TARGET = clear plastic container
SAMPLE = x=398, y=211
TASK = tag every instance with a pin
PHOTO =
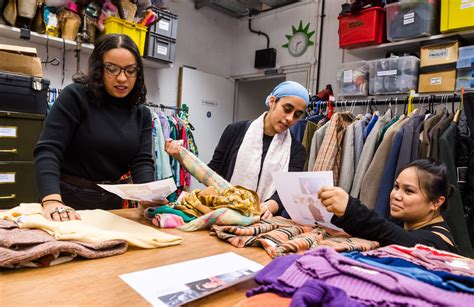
x=467, y=62
x=466, y=52
x=465, y=77
x=393, y=75
x=412, y=18
x=353, y=79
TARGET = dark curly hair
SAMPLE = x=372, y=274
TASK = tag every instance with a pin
x=94, y=83
x=433, y=179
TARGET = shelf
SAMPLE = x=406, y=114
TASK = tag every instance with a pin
x=41, y=39
x=411, y=45
x=56, y=42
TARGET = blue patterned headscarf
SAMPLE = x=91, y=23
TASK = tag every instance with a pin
x=289, y=88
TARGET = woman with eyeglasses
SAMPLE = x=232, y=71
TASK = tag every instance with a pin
x=249, y=151
x=97, y=130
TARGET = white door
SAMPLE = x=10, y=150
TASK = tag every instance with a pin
x=211, y=108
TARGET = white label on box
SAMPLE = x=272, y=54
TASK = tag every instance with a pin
x=7, y=177
x=408, y=21
x=347, y=76
x=438, y=53
x=164, y=25
x=162, y=50
x=386, y=73
x=8, y=132
x=466, y=5
x=436, y=80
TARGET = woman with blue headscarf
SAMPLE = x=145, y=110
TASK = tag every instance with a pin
x=249, y=151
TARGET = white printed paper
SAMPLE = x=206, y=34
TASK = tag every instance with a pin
x=162, y=50
x=466, y=5
x=175, y=284
x=7, y=177
x=386, y=73
x=164, y=25
x=156, y=190
x=408, y=21
x=438, y=53
x=347, y=76
x=436, y=80
x=8, y=132
x=298, y=192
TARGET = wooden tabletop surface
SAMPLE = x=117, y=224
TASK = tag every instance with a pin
x=97, y=282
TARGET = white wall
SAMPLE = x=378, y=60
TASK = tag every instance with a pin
x=276, y=23
x=331, y=56
x=204, y=41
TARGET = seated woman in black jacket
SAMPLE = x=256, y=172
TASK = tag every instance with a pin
x=419, y=194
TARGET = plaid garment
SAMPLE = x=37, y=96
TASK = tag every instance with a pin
x=329, y=156
x=280, y=236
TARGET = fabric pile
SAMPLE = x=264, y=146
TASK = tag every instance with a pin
x=220, y=203
x=29, y=239
x=36, y=248
x=280, y=236
x=323, y=277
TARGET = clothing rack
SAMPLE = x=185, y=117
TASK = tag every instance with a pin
x=429, y=100
x=162, y=106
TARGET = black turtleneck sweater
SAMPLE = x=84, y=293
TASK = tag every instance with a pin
x=95, y=141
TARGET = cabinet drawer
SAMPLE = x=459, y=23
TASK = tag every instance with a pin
x=19, y=134
x=17, y=184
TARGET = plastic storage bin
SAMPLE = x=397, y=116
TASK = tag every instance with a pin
x=465, y=71
x=160, y=48
x=353, y=79
x=20, y=93
x=412, y=18
x=466, y=52
x=456, y=15
x=365, y=28
x=167, y=26
x=393, y=75
x=137, y=33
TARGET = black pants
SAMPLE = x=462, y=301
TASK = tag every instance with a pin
x=86, y=198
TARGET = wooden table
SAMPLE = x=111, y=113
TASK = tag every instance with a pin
x=97, y=282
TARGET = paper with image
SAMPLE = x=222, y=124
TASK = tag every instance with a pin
x=298, y=192
x=179, y=283
x=156, y=190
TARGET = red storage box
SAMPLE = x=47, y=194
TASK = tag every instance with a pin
x=364, y=28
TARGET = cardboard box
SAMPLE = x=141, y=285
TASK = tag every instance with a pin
x=438, y=54
x=19, y=59
x=439, y=81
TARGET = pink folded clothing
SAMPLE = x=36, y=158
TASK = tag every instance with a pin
x=167, y=220
x=36, y=248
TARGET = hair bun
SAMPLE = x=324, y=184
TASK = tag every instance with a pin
x=450, y=190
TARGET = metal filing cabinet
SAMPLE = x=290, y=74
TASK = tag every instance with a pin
x=19, y=133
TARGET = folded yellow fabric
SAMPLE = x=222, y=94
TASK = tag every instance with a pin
x=200, y=202
x=94, y=226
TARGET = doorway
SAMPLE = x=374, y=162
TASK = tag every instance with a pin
x=251, y=95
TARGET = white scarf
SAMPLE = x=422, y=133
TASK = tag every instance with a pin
x=249, y=157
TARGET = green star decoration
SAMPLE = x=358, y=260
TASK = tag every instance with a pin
x=299, y=40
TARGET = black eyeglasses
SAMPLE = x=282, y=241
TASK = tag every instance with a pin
x=130, y=71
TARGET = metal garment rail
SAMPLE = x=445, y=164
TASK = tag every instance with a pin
x=162, y=106
x=428, y=100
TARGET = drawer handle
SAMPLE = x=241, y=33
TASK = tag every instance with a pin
x=12, y=151
x=11, y=196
